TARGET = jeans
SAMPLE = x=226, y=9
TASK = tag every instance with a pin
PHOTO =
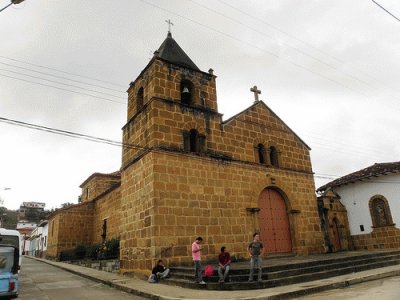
x=255, y=263
x=223, y=272
x=162, y=275
x=197, y=271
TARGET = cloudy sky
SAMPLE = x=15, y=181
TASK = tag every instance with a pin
x=328, y=68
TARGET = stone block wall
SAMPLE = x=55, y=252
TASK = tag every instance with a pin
x=137, y=209
x=107, y=207
x=162, y=124
x=191, y=196
x=69, y=228
x=163, y=80
x=387, y=237
x=97, y=184
x=259, y=125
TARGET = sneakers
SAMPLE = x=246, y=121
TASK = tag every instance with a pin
x=202, y=282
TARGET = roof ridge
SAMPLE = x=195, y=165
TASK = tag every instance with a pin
x=170, y=51
x=373, y=170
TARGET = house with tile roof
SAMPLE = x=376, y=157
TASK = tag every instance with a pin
x=370, y=208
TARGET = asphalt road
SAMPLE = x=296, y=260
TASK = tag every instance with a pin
x=383, y=289
x=40, y=281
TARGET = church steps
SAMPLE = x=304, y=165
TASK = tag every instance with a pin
x=285, y=274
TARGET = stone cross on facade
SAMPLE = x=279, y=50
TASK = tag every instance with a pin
x=169, y=24
x=256, y=93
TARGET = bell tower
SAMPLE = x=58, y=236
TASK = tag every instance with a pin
x=170, y=92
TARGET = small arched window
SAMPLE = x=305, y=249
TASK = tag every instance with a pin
x=193, y=141
x=273, y=156
x=380, y=211
x=261, y=154
x=187, y=92
x=139, y=99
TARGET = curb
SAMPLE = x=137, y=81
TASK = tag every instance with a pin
x=96, y=279
x=283, y=295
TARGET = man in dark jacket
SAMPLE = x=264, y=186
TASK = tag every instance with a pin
x=160, y=270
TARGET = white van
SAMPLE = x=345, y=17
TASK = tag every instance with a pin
x=12, y=237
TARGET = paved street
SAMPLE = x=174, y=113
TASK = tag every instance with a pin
x=39, y=281
x=384, y=289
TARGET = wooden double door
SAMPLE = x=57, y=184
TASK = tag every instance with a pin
x=274, y=222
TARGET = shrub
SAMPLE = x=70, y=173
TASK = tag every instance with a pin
x=92, y=251
x=67, y=255
x=80, y=251
x=110, y=249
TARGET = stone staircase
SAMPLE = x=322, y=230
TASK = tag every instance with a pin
x=288, y=270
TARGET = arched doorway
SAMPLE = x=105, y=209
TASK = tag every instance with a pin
x=336, y=236
x=274, y=222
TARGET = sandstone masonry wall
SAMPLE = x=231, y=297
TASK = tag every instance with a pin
x=72, y=227
x=195, y=196
x=387, y=237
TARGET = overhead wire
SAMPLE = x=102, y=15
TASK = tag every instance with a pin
x=307, y=44
x=283, y=43
x=61, y=71
x=62, y=89
x=121, y=85
x=366, y=95
x=71, y=134
x=386, y=10
x=103, y=140
x=62, y=83
x=59, y=77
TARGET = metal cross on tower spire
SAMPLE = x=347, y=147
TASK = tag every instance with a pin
x=256, y=93
x=169, y=24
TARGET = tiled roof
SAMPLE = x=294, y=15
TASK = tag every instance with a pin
x=170, y=51
x=375, y=170
x=116, y=174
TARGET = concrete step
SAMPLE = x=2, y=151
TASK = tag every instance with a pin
x=287, y=273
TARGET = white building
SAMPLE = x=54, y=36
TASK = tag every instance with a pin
x=25, y=228
x=38, y=240
x=371, y=198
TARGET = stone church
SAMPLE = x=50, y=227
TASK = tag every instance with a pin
x=185, y=173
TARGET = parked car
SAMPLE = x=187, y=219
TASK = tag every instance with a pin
x=9, y=265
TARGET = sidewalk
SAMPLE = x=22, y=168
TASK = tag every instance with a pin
x=160, y=291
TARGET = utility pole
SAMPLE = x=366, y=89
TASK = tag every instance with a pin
x=11, y=2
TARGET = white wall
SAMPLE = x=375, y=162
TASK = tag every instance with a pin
x=356, y=196
x=44, y=237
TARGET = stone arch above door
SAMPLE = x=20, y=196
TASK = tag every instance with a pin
x=274, y=222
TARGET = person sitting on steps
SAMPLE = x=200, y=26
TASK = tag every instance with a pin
x=160, y=270
x=224, y=261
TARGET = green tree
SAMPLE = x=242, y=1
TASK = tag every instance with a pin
x=66, y=204
x=9, y=218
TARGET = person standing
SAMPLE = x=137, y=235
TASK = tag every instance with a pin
x=196, y=255
x=160, y=270
x=224, y=261
x=255, y=250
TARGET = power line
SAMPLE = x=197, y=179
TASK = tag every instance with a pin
x=61, y=71
x=62, y=83
x=62, y=89
x=105, y=141
x=307, y=44
x=285, y=44
x=366, y=95
x=71, y=134
x=386, y=10
x=59, y=77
